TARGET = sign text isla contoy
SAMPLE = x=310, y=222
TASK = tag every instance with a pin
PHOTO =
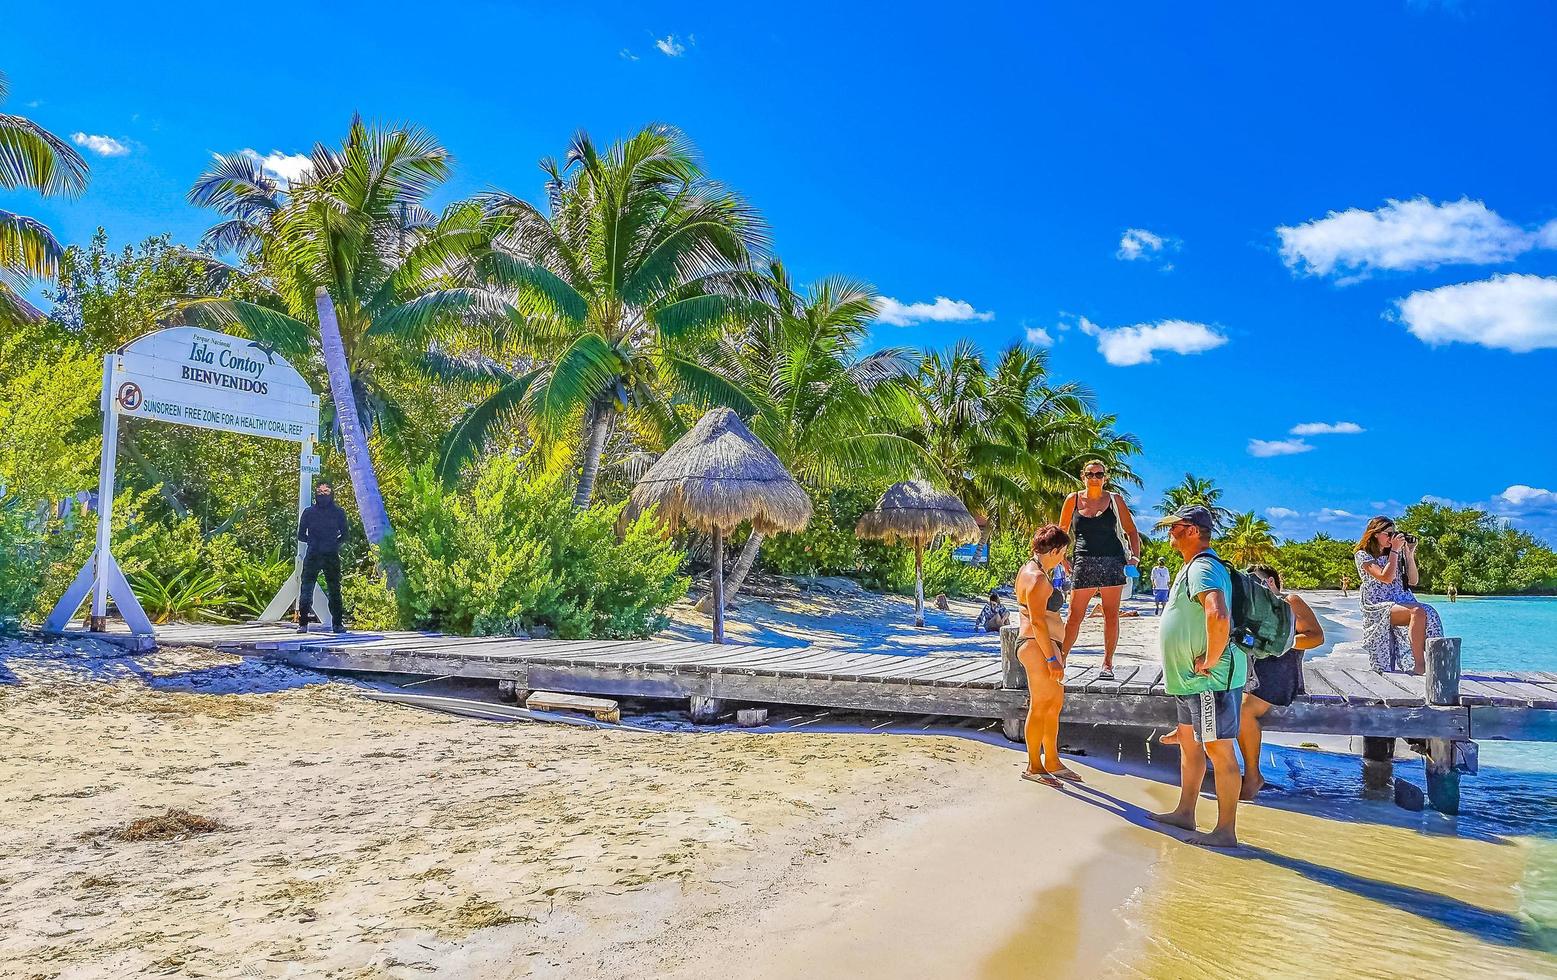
x=212, y=381
x=246, y=370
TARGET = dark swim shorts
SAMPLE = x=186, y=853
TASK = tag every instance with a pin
x=1280, y=678
x=1098, y=571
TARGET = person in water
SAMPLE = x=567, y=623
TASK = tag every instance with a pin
x=1106, y=541
x=323, y=529
x=1038, y=648
x=1386, y=561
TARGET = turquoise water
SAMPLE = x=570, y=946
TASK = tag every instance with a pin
x=1514, y=633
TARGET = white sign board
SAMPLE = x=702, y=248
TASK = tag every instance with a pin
x=212, y=381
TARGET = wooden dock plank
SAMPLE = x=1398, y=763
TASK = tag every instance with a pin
x=1390, y=689
x=1348, y=687
x=976, y=673
x=1473, y=692
x=1122, y=676
x=1531, y=695
x=1144, y=682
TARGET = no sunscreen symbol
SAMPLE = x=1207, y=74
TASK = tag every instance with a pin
x=129, y=397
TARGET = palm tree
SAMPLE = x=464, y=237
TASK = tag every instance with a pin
x=1249, y=541
x=356, y=264
x=1196, y=491
x=1010, y=441
x=829, y=413
x=31, y=157
x=637, y=262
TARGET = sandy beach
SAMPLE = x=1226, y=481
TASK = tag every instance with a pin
x=356, y=839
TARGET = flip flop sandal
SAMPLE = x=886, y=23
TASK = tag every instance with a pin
x=1069, y=775
x=1041, y=777
x=1106, y=674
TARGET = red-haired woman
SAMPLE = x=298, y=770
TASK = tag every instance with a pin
x=1040, y=653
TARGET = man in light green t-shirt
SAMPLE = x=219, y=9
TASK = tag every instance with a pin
x=1205, y=673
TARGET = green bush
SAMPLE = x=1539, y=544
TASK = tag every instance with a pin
x=506, y=554
x=370, y=602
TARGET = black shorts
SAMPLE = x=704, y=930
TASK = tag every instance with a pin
x=1280, y=678
x=1098, y=571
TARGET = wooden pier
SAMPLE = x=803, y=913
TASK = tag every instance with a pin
x=1339, y=701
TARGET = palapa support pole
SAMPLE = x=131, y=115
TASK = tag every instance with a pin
x=718, y=585
x=1443, y=688
x=918, y=582
x=1013, y=677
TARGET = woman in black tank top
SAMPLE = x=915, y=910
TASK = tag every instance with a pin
x=1106, y=541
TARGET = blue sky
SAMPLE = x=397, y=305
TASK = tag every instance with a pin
x=1228, y=219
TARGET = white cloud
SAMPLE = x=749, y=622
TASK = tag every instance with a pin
x=1277, y=447
x=1126, y=346
x=285, y=167
x=626, y=55
x=1548, y=235
x=1330, y=515
x=103, y=146
x=1138, y=244
x=1402, y=235
x=1281, y=513
x=1515, y=312
x=1040, y=337
x=1326, y=429
x=943, y=310
x=670, y=47
x=1521, y=499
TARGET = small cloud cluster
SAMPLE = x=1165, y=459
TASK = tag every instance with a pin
x=626, y=55
x=1040, y=337
x=670, y=47
x=1515, y=312
x=1282, y=513
x=1138, y=344
x=103, y=146
x=1326, y=429
x=285, y=167
x=1140, y=245
x=1263, y=448
x=1521, y=500
x=1403, y=236
x=943, y=310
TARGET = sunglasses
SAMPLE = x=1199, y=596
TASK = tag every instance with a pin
x=1094, y=474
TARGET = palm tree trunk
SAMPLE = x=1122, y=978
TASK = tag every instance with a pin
x=359, y=464
x=596, y=427
x=743, y=567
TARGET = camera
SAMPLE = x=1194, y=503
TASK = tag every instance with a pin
x=1410, y=538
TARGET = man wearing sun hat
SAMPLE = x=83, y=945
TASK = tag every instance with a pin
x=1204, y=672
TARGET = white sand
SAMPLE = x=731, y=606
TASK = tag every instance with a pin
x=374, y=840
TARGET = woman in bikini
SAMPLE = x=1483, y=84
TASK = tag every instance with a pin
x=1039, y=651
x=1106, y=541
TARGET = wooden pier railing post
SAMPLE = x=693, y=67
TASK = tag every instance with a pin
x=1443, y=688
x=1013, y=677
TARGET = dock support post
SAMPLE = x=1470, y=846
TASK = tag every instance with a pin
x=1378, y=767
x=1443, y=688
x=705, y=711
x=1013, y=677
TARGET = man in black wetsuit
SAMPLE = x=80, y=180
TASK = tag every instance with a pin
x=322, y=528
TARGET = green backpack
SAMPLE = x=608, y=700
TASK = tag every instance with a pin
x=1262, y=624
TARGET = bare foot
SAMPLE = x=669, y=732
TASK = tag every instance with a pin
x=1253, y=782
x=1173, y=818
x=1221, y=839
x=1169, y=738
x=1042, y=777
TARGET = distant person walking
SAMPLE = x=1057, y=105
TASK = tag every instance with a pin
x=1106, y=541
x=322, y=528
x=1038, y=648
x=1161, y=579
x=1386, y=562
x=1346, y=584
x=1205, y=673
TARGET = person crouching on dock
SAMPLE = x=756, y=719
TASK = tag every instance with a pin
x=1039, y=651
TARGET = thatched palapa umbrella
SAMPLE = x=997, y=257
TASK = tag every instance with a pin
x=915, y=511
x=715, y=477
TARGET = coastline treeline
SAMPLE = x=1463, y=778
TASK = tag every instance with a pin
x=514, y=367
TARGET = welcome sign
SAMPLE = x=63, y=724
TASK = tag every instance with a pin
x=212, y=381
